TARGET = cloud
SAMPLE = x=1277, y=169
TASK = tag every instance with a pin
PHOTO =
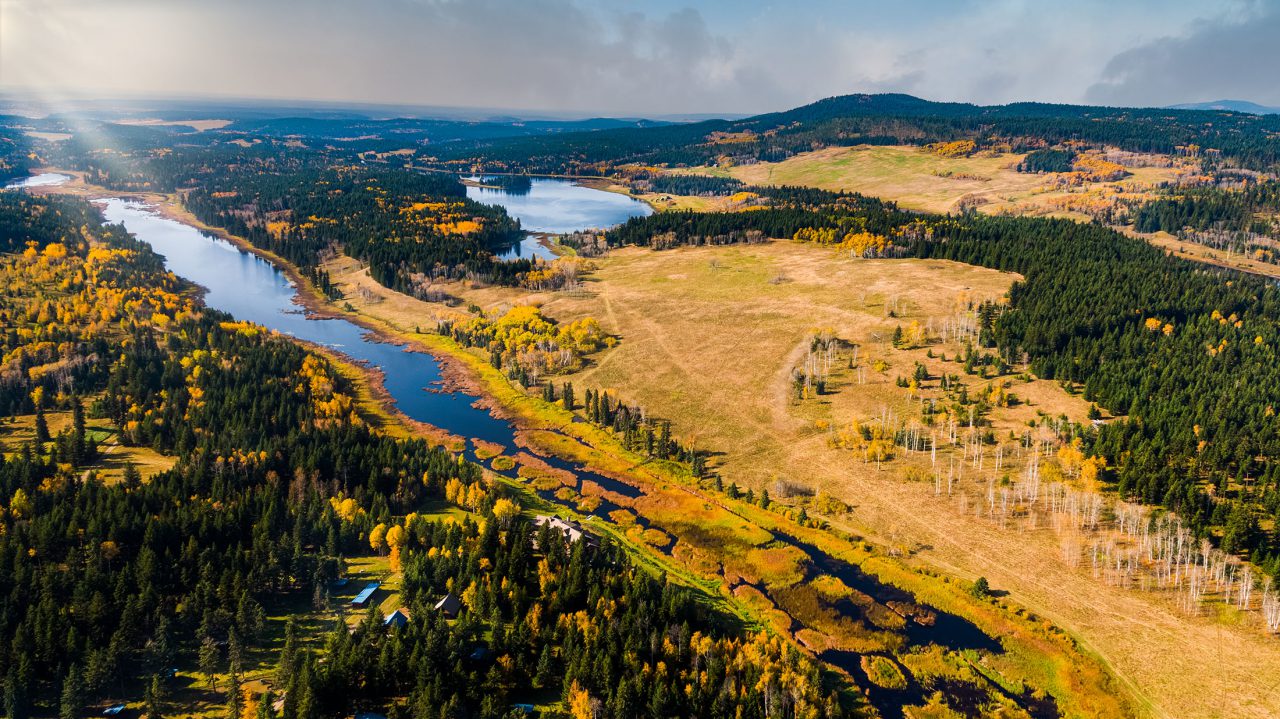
x=622, y=57
x=1228, y=58
x=538, y=54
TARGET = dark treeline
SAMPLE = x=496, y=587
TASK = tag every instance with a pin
x=791, y=209
x=1048, y=160
x=700, y=185
x=1248, y=140
x=1212, y=209
x=639, y=431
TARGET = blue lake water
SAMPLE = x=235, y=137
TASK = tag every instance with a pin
x=44, y=179
x=557, y=207
x=251, y=288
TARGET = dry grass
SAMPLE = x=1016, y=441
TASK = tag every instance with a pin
x=1209, y=255
x=919, y=179
x=709, y=337
x=713, y=540
x=662, y=201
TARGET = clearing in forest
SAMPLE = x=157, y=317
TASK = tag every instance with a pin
x=113, y=457
x=919, y=179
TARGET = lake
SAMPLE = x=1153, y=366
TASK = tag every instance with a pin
x=44, y=179
x=557, y=207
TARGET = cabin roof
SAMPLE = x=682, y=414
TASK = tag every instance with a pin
x=450, y=604
x=572, y=531
x=367, y=592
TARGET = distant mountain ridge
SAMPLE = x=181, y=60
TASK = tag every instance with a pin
x=883, y=119
x=1244, y=106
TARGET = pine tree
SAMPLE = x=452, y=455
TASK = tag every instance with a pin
x=235, y=696
x=153, y=697
x=288, y=654
x=546, y=668
x=15, y=700
x=73, y=697
x=132, y=477
x=980, y=588
x=78, y=450
x=42, y=426
x=209, y=658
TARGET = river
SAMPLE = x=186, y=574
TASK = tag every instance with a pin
x=250, y=288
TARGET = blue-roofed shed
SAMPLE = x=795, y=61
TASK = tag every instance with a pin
x=113, y=710
x=362, y=599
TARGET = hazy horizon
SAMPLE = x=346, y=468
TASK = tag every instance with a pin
x=639, y=59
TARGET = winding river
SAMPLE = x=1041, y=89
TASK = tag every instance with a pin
x=250, y=288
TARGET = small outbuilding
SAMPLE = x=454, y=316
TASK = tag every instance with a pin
x=361, y=600
x=450, y=605
x=396, y=619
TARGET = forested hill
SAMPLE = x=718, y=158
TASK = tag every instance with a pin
x=1249, y=140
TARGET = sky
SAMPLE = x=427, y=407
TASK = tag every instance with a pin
x=650, y=57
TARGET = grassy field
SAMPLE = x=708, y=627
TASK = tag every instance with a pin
x=113, y=456
x=920, y=180
x=729, y=543
x=1209, y=255
x=709, y=337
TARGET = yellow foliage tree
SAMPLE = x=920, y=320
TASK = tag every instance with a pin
x=505, y=510
x=581, y=705
x=396, y=539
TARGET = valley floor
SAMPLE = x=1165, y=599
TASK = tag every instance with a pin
x=709, y=339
